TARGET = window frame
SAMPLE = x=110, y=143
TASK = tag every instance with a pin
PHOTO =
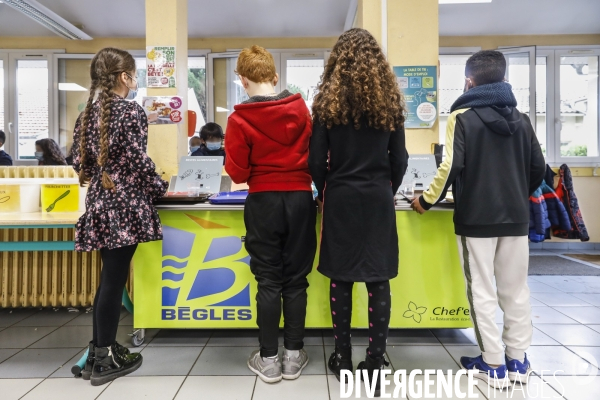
x=553, y=130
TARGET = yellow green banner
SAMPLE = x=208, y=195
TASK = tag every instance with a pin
x=199, y=276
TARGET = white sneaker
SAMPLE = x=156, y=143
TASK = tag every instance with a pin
x=267, y=369
x=294, y=362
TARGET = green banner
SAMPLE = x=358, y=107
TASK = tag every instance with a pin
x=199, y=276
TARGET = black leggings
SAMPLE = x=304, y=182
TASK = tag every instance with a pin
x=109, y=296
x=379, y=314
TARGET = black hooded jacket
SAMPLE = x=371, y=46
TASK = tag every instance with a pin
x=494, y=162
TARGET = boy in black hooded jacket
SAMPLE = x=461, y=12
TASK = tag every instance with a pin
x=494, y=163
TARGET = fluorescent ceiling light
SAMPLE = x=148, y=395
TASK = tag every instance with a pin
x=464, y=1
x=221, y=109
x=48, y=19
x=73, y=87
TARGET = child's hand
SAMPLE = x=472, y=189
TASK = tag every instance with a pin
x=416, y=205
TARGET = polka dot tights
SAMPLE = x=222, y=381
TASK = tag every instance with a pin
x=340, y=300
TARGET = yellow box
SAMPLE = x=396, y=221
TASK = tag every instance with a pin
x=10, y=198
x=60, y=197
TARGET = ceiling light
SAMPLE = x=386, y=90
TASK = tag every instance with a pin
x=464, y=1
x=221, y=109
x=48, y=19
x=72, y=87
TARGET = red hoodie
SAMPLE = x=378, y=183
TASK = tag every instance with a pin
x=267, y=145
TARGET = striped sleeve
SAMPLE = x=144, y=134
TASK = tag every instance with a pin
x=451, y=166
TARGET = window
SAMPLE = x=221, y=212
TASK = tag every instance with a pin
x=298, y=72
x=26, y=112
x=451, y=83
x=560, y=84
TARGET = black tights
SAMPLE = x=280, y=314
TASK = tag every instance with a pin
x=379, y=314
x=109, y=296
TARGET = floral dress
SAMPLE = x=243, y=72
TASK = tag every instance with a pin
x=123, y=216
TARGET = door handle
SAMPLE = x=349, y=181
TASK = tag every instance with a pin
x=558, y=124
x=10, y=125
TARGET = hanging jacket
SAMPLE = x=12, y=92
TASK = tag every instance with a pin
x=557, y=214
x=538, y=216
x=567, y=195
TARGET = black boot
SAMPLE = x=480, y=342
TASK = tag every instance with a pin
x=86, y=373
x=110, y=364
x=372, y=364
x=340, y=359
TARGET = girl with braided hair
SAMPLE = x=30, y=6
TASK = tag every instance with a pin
x=109, y=153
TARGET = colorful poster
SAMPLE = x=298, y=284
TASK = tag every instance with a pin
x=160, y=66
x=419, y=85
x=199, y=276
x=163, y=109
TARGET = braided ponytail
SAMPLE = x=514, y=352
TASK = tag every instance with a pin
x=83, y=126
x=106, y=101
x=105, y=69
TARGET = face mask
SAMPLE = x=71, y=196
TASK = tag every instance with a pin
x=194, y=148
x=39, y=155
x=212, y=146
x=132, y=94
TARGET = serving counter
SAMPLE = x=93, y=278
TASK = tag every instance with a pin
x=199, y=275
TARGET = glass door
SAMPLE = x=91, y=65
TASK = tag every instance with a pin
x=521, y=74
x=301, y=73
x=30, y=111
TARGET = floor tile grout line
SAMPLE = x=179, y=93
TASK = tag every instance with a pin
x=180, y=386
x=30, y=390
x=254, y=387
x=104, y=390
x=201, y=351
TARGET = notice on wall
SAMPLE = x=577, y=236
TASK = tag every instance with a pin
x=419, y=85
x=160, y=66
x=163, y=109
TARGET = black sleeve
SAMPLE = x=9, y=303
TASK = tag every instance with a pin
x=398, y=157
x=538, y=165
x=318, y=156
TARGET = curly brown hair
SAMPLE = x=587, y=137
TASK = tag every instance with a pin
x=358, y=85
x=105, y=69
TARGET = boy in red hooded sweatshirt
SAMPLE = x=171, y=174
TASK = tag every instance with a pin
x=267, y=142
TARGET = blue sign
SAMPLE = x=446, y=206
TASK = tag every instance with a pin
x=419, y=85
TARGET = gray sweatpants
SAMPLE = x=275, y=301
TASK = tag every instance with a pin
x=506, y=259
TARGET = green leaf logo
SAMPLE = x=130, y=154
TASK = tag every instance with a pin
x=414, y=312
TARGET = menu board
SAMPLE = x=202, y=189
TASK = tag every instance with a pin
x=419, y=85
x=160, y=66
x=163, y=109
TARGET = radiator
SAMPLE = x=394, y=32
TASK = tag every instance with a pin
x=46, y=278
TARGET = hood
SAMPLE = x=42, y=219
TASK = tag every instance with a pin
x=281, y=120
x=501, y=120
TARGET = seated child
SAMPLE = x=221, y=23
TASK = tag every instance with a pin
x=211, y=136
x=195, y=143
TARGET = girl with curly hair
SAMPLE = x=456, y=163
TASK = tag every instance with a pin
x=109, y=153
x=357, y=160
x=47, y=152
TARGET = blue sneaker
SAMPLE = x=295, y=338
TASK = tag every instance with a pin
x=518, y=371
x=495, y=377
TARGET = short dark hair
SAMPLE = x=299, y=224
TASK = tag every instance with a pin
x=211, y=131
x=486, y=66
x=2, y=137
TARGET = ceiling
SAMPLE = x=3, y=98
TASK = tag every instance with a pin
x=316, y=18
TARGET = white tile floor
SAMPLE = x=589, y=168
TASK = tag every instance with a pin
x=38, y=348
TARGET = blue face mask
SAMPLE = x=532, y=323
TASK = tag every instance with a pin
x=194, y=148
x=212, y=146
x=39, y=155
x=132, y=94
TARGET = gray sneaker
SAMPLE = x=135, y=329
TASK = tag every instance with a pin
x=293, y=366
x=267, y=369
